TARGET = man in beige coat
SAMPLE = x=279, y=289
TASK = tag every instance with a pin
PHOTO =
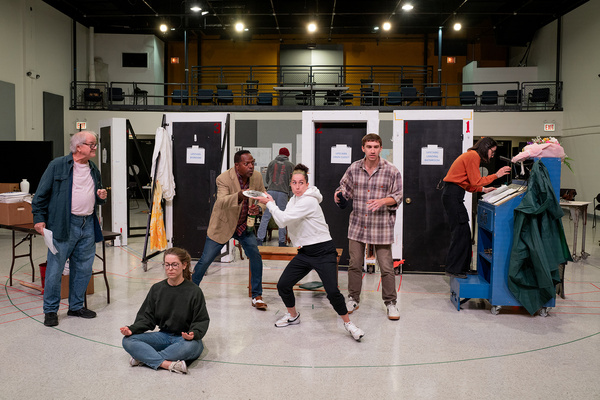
x=228, y=219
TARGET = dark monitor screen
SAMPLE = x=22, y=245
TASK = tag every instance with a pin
x=24, y=160
x=135, y=60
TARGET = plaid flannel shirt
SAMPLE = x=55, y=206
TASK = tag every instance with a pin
x=372, y=227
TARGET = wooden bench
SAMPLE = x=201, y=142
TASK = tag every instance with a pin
x=282, y=254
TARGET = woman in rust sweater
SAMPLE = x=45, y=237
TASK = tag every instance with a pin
x=463, y=176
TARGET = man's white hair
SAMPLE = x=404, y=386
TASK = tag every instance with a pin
x=80, y=138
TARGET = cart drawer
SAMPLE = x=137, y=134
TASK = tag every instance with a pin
x=485, y=218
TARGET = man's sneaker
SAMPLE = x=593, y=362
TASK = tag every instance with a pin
x=287, y=320
x=134, y=363
x=51, y=319
x=392, y=312
x=178, y=367
x=351, y=305
x=259, y=303
x=82, y=312
x=354, y=330
x=259, y=242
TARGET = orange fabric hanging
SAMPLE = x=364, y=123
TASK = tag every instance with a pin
x=158, y=236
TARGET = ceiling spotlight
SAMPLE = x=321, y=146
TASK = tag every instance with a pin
x=204, y=12
x=457, y=26
x=239, y=27
x=196, y=8
x=407, y=7
x=312, y=27
x=163, y=27
x=387, y=26
x=376, y=28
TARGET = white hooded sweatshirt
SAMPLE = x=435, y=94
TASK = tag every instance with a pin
x=303, y=218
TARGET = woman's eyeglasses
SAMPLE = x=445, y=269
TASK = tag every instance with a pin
x=171, y=266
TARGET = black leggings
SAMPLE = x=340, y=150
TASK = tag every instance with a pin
x=322, y=257
x=458, y=259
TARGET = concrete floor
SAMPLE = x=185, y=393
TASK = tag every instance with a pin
x=433, y=352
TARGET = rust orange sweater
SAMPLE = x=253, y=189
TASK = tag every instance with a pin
x=465, y=173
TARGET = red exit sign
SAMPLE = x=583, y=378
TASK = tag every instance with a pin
x=549, y=127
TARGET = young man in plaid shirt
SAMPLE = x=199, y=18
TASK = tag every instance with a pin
x=375, y=185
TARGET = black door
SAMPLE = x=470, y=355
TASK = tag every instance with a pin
x=327, y=175
x=426, y=234
x=195, y=183
x=105, y=172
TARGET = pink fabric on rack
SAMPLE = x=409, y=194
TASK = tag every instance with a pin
x=540, y=150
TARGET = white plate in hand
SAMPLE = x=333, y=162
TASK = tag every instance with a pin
x=253, y=193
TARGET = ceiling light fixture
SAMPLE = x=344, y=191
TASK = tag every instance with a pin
x=204, y=12
x=376, y=28
x=163, y=27
x=196, y=8
x=312, y=27
x=239, y=27
x=457, y=26
x=407, y=7
x=387, y=26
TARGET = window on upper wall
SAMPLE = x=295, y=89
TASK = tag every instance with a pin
x=135, y=60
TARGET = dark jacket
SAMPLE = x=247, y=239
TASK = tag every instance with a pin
x=539, y=243
x=52, y=201
x=279, y=174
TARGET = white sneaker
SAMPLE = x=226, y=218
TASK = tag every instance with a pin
x=178, y=367
x=351, y=305
x=134, y=363
x=392, y=312
x=287, y=320
x=354, y=330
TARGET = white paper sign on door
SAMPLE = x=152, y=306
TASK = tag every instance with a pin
x=432, y=155
x=341, y=154
x=195, y=155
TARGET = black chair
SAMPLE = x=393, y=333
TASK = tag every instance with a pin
x=221, y=86
x=409, y=94
x=265, y=99
x=467, y=97
x=394, y=99
x=489, y=97
x=92, y=96
x=115, y=94
x=224, y=96
x=251, y=91
x=512, y=96
x=433, y=94
x=346, y=99
x=540, y=95
x=139, y=94
x=596, y=207
x=302, y=99
x=204, y=96
x=332, y=98
x=180, y=96
x=366, y=92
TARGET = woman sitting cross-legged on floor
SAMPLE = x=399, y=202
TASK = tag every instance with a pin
x=177, y=306
x=308, y=230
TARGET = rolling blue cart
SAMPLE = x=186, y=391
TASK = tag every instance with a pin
x=494, y=243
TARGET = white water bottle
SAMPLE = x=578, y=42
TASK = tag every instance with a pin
x=25, y=186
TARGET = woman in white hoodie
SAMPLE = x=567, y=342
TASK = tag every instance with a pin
x=308, y=230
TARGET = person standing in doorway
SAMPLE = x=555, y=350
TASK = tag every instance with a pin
x=65, y=203
x=375, y=185
x=462, y=176
x=228, y=219
x=279, y=174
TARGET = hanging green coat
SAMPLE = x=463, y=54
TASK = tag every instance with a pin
x=539, y=243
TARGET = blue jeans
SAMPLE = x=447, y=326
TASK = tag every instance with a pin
x=152, y=348
x=281, y=199
x=212, y=249
x=80, y=250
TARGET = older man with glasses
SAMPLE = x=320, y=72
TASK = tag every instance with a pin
x=65, y=204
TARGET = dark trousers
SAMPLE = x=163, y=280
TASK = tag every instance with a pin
x=321, y=257
x=459, y=255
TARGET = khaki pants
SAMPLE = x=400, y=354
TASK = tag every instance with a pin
x=383, y=252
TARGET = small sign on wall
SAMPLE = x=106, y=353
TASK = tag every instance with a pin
x=195, y=155
x=341, y=154
x=549, y=127
x=80, y=125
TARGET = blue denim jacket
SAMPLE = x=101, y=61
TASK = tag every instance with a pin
x=52, y=201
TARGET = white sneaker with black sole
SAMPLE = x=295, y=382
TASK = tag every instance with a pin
x=354, y=330
x=178, y=367
x=287, y=319
x=351, y=305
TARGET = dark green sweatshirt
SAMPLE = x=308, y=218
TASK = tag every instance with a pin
x=174, y=309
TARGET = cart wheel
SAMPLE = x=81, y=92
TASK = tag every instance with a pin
x=144, y=266
x=495, y=310
x=544, y=311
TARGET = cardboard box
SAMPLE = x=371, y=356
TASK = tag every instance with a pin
x=15, y=213
x=9, y=187
x=64, y=287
